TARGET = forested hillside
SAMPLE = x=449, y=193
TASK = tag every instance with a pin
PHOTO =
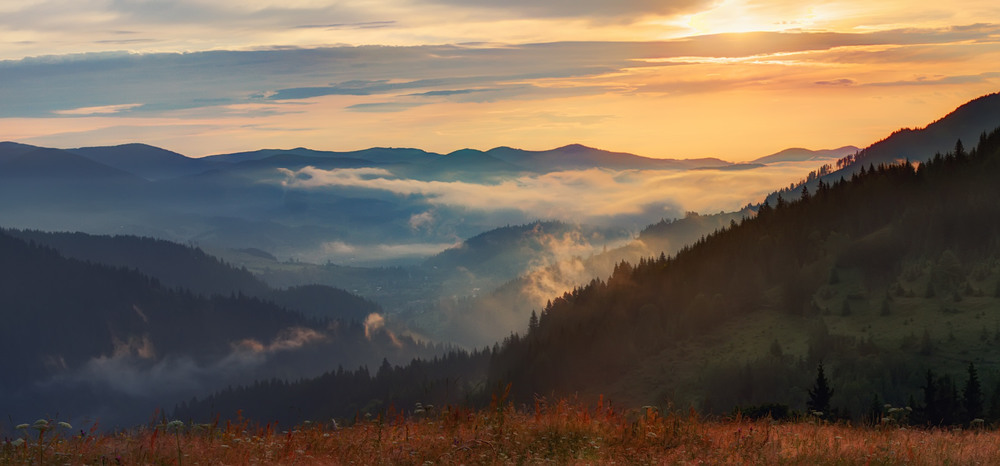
x=883, y=276
x=83, y=339
x=189, y=268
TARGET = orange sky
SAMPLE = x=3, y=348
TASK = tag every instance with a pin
x=734, y=79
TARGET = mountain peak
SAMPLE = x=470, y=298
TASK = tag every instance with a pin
x=573, y=147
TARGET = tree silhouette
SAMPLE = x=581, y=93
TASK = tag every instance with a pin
x=972, y=396
x=820, y=394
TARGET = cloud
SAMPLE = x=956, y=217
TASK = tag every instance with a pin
x=291, y=338
x=133, y=368
x=361, y=25
x=102, y=110
x=837, y=82
x=481, y=95
x=942, y=80
x=375, y=324
x=421, y=220
x=448, y=92
x=344, y=252
x=597, y=10
x=590, y=196
x=383, y=107
x=168, y=82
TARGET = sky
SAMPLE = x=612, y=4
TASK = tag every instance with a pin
x=734, y=79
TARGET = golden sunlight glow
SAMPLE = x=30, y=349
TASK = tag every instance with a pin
x=734, y=16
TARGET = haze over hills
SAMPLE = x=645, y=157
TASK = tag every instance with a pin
x=883, y=277
x=373, y=207
x=850, y=271
x=87, y=340
x=798, y=154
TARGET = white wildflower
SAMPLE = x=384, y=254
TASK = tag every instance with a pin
x=175, y=425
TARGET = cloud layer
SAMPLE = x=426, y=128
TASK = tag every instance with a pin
x=594, y=196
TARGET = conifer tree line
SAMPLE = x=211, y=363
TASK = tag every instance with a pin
x=942, y=403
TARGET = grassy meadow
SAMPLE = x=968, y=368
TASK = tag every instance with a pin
x=560, y=433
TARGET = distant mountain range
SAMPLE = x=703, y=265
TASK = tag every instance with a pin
x=888, y=278
x=156, y=164
x=251, y=200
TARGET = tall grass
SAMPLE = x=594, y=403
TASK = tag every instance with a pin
x=562, y=433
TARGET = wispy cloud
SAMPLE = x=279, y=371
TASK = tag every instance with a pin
x=598, y=10
x=101, y=110
x=383, y=107
x=361, y=25
x=346, y=253
x=445, y=97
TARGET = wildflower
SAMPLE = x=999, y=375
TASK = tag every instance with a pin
x=40, y=424
x=175, y=425
x=22, y=426
x=17, y=443
x=65, y=425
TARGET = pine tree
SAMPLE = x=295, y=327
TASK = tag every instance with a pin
x=972, y=396
x=532, y=322
x=820, y=394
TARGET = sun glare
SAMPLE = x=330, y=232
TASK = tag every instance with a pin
x=736, y=16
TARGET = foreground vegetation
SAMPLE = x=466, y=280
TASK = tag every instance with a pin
x=563, y=433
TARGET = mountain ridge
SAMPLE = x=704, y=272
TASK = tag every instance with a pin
x=155, y=163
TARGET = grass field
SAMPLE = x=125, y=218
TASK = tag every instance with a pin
x=562, y=433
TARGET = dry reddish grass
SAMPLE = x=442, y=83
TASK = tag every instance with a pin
x=563, y=433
